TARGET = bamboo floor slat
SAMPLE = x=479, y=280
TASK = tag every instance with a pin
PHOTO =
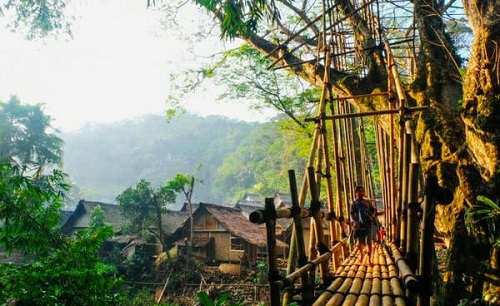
x=358, y=284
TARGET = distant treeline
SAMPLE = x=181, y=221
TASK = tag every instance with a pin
x=236, y=156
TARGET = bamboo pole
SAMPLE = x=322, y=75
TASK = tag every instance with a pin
x=315, y=209
x=337, y=164
x=401, y=97
x=413, y=205
x=381, y=160
x=407, y=110
x=427, y=241
x=386, y=174
x=351, y=154
x=308, y=267
x=307, y=292
x=391, y=200
x=328, y=293
x=407, y=275
x=337, y=22
x=329, y=189
x=301, y=200
x=259, y=216
x=342, y=158
x=273, y=272
x=404, y=192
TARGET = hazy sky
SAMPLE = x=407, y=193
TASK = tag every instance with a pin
x=116, y=66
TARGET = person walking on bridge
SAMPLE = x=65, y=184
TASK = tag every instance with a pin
x=363, y=216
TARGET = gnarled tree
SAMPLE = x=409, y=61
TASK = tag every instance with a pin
x=458, y=134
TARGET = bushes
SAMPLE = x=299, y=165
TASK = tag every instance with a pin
x=68, y=276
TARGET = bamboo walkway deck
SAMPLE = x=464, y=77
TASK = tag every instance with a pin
x=357, y=283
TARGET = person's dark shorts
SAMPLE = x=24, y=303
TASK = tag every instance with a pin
x=362, y=235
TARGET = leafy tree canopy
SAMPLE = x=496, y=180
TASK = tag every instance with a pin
x=245, y=73
x=240, y=17
x=38, y=18
x=143, y=206
x=27, y=137
x=63, y=272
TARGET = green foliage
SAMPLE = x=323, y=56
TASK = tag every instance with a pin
x=61, y=271
x=37, y=18
x=27, y=137
x=261, y=165
x=223, y=300
x=240, y=17
x=143, y=206
x=72, y=275
x=486, y=216
x=96, y=218
x=143, y=298
x=261, y=273
x=182, y=183
x=246, y=75
x=29, y=210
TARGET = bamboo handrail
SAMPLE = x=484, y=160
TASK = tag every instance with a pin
x=309, y=266
x=410, y=280
x=371, y=113
x=259, y=216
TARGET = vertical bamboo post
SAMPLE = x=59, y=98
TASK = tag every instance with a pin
x=391, y=197
x=329, y=190
x=302, y=199
x=365, y=167
x=413, y=206
x=307, y=289
x=381, y=148
x=336, y=157
x=318, y=222
x=342, y=157
x=387, y=173
x=352, y=178
x=427, y=241
x=273, y=272
x=399, y=201
x=401, y=98
x=404, y=191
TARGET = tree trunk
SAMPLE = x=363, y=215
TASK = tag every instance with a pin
x=471, y=259
x=459, y=133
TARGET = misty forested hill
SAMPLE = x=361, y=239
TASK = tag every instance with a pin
x=105, y=159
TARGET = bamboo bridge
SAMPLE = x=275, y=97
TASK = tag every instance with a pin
x=330, y=272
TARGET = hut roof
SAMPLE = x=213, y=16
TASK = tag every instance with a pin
x=185, y=207
x=81, y=215
x=172, y=220
x=250, y=200
x=237, y=224
x=65, y=214
x=282, y=200
x=112, y=214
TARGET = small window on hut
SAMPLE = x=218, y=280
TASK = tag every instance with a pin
x=237, y=244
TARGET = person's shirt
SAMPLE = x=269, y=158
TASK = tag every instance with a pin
x=362, y=213
x=381, y=234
